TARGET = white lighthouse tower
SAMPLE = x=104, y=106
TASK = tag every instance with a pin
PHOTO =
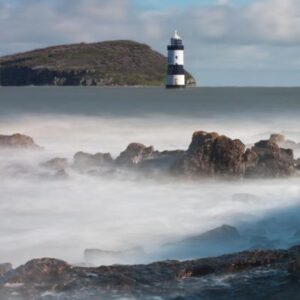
x=176, y=73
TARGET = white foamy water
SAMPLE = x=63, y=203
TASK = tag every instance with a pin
x=42, y=216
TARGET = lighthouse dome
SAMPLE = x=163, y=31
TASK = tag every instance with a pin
x=176, y=35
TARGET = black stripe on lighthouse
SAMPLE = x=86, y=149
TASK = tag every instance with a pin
x=175, y=72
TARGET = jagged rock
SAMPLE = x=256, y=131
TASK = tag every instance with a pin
x=168, y=279
x=17, y=141
x=4, y=268
x=210, y=154
x=214, y=242
x=277, y=138
x=134, y=154
x=282, y=142
x=84, y=160
x=225, y=233
x=40, y=272
x=56, y=164
x=270, y=161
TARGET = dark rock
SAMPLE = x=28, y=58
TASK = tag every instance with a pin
x=166, y=279
x=17, y=141
x=56, y=164
x=83, y=161
x=271, y=161
x=134, y=154
x=225, y=233
x=210, y=154
x=211, y=243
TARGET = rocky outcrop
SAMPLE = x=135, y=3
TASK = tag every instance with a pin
x=283, y=142
x=210, y=154
x=84, y=161
x=56, y=164
x=17, y=141
x=110, y=63
x=275, y=271
x=134, y=154
x=268, y=160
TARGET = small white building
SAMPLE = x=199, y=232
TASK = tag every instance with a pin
x=176, y=73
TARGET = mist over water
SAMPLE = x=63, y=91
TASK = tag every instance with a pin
x=45, y=216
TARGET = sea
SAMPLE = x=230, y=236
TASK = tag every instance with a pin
x=44, y=216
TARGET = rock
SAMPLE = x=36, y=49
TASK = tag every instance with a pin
x=83, y=161
x=5, y=268
x=282, y=142
x=210, y=154
x=134, y=154
x=277, y=138
x=220, y=240
x=17, y=141
x=40, y=272
x=270, y=161
x=56, y=164
x=225, y=233
x=267, y=272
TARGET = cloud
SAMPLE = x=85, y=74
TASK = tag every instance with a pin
x=238, y=36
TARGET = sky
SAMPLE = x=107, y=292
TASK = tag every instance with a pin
x=228, y=42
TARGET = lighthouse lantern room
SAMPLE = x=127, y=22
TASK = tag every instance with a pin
x=176, y=73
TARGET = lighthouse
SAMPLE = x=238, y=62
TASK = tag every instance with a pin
x=176, y=73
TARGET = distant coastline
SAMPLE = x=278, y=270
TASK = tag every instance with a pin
x=106, y=64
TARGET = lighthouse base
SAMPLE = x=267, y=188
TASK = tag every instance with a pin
x=170, y=86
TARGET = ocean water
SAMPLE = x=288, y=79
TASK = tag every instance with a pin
x=42, y=216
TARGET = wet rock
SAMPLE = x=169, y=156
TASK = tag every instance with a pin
x=282, y=142
x=225, y=233
x=84, y=161
x=56, y=164
x=214, y=242
x=134, y=154
x=271, y=161
x=167, y=279
x=210, y=154
x=17, y=141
